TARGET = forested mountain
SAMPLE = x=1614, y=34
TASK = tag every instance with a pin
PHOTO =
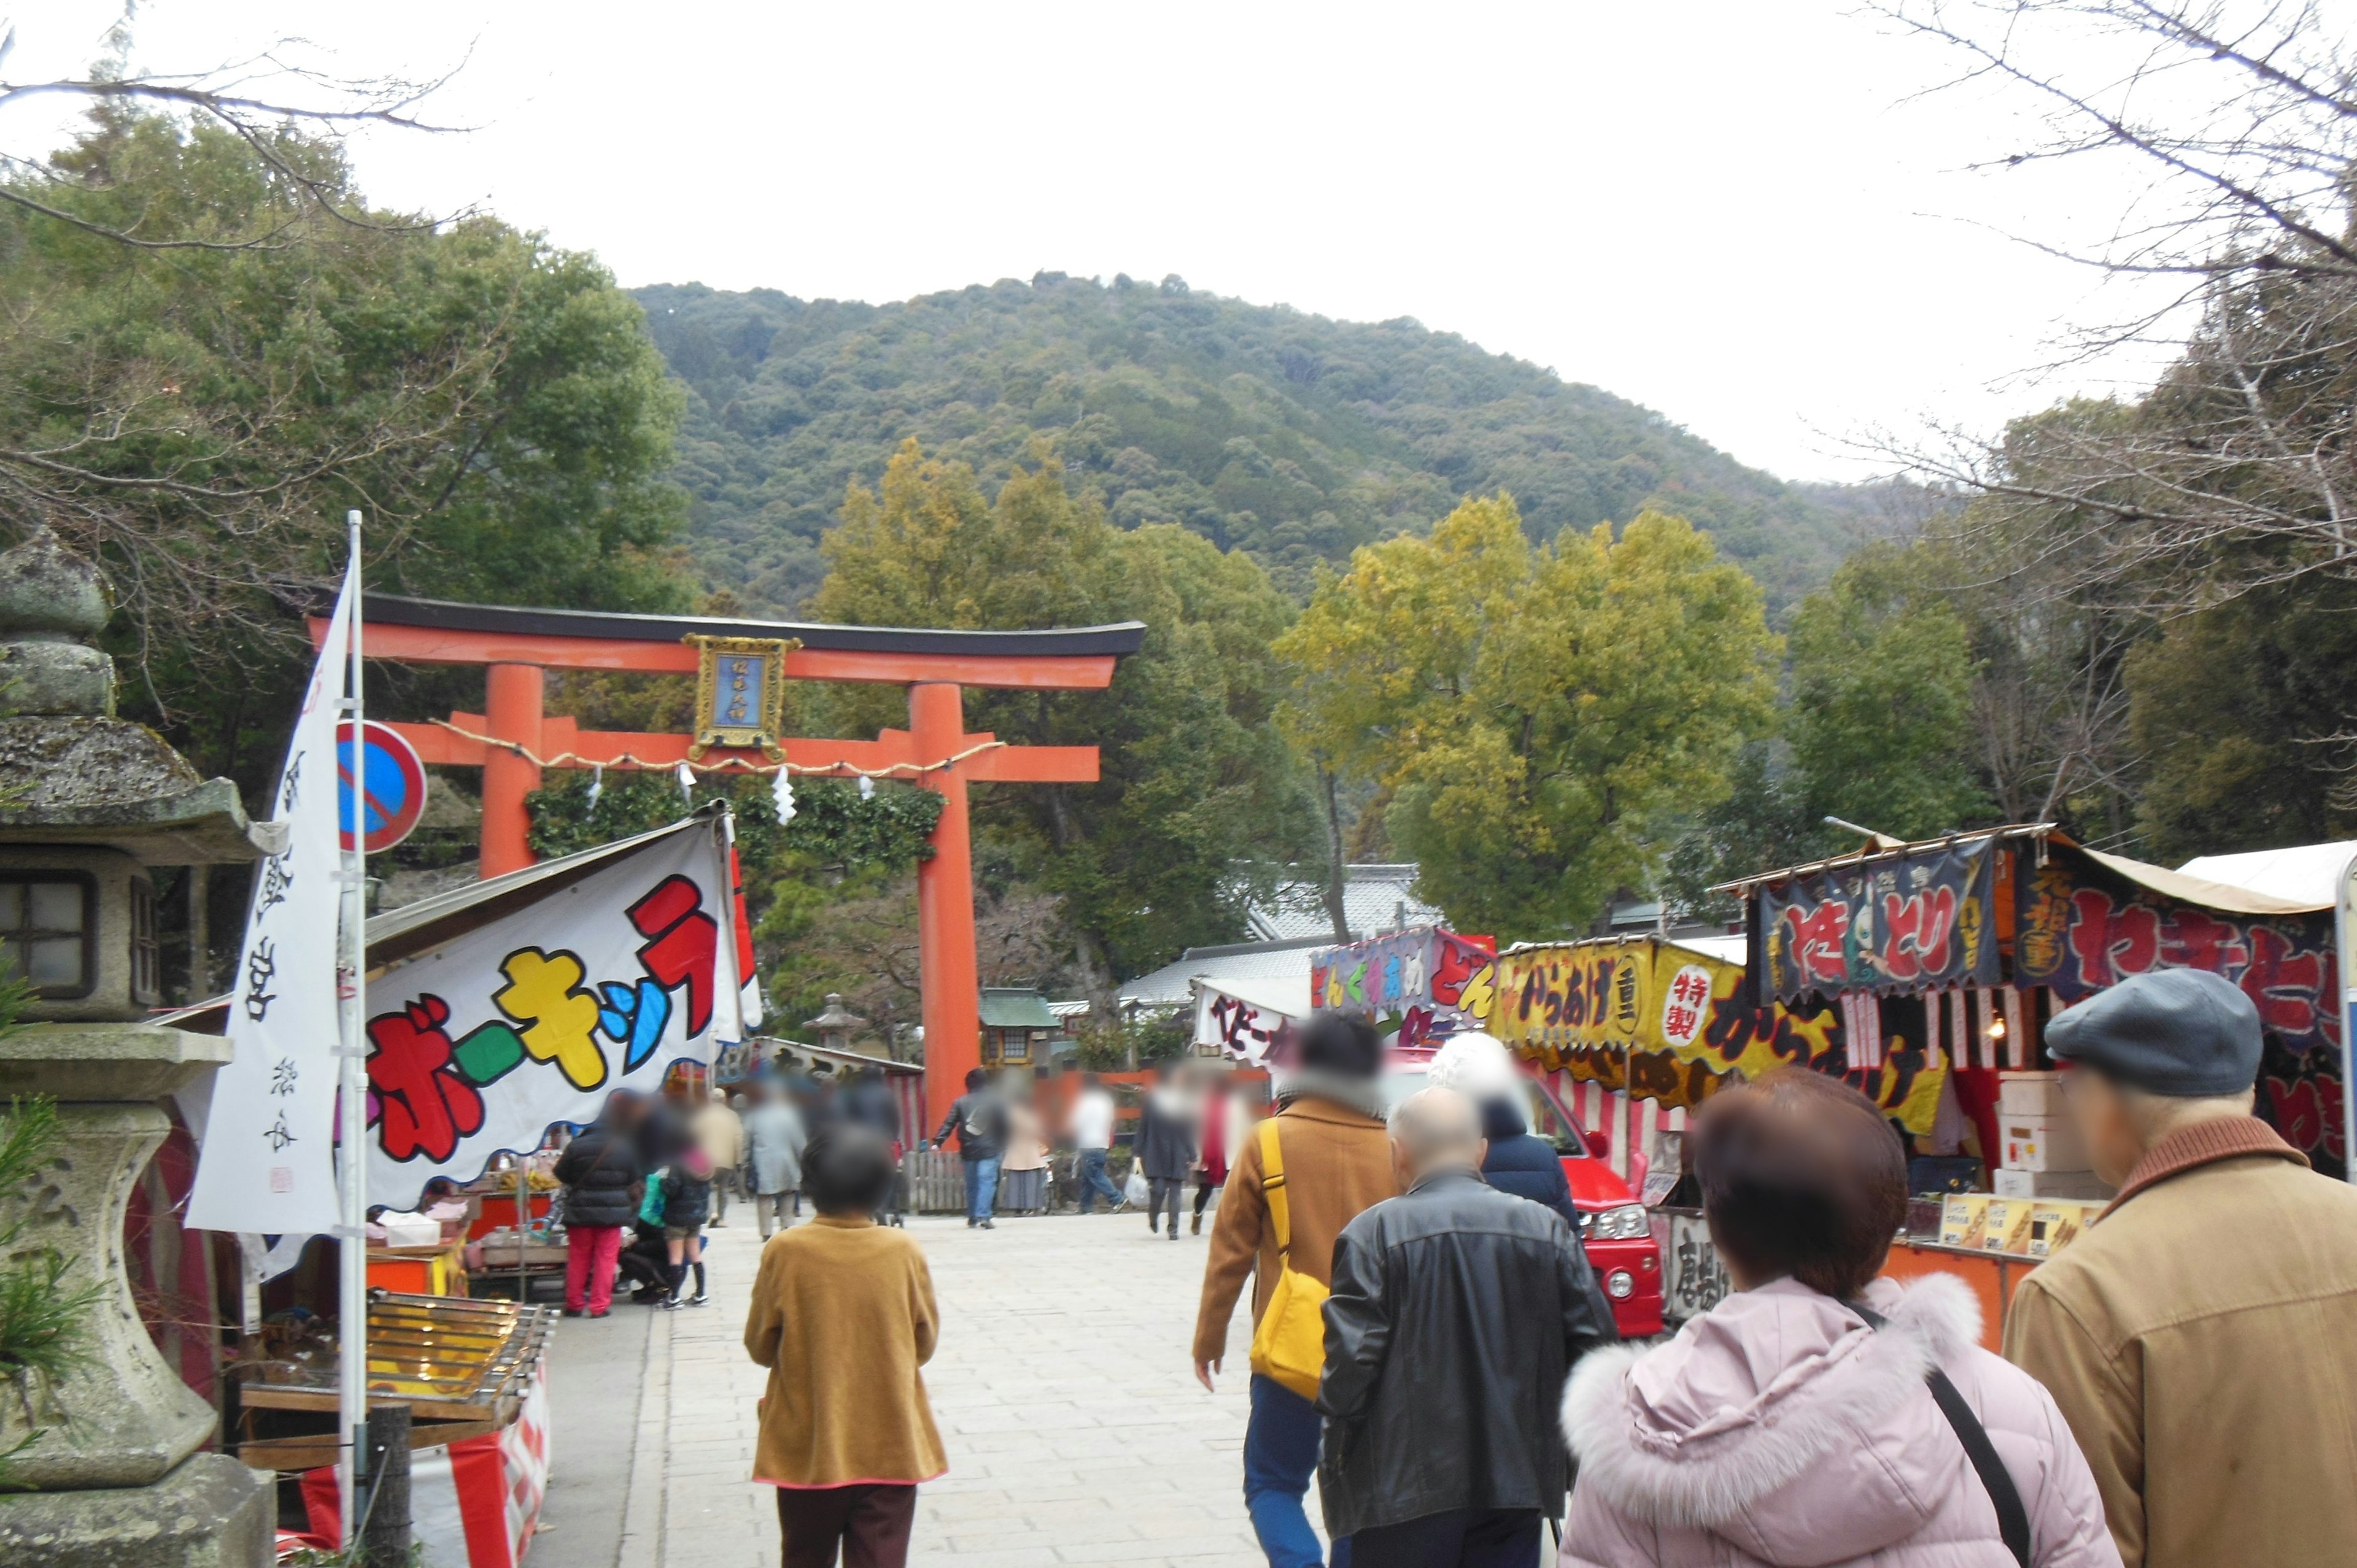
x=1295, y=437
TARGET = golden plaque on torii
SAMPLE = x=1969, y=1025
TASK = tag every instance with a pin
x=740, y=693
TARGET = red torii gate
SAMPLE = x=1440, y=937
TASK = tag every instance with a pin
x=513, y=739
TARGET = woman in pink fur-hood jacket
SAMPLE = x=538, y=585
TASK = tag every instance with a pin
x=1779, y=1427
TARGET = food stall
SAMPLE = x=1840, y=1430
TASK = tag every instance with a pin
x=473, y=1376
x=1962, y=950
x=1419, y=985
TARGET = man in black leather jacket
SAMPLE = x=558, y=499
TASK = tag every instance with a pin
x=1457, y=1314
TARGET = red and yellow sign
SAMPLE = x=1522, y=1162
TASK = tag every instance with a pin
x=1669, y=1024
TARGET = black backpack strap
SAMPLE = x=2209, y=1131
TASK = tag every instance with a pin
x=2012, y=1519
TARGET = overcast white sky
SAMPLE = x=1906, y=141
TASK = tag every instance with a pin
x=1727, y=209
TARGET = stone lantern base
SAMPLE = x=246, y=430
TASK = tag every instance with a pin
x=120, y=1484
x=209, y=1512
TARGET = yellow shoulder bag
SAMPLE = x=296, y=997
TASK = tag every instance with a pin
x=1289, y=1344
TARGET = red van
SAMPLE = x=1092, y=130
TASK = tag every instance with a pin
x=1614, y=1227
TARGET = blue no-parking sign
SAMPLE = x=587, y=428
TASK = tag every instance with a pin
x=395, y=795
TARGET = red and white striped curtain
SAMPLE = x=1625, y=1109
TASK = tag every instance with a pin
x=1862, y=1028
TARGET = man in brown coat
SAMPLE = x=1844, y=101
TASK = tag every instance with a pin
x=1338, y=1162
x=2202, y=1338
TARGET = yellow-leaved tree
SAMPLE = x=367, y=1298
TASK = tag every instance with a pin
x=1542, y=717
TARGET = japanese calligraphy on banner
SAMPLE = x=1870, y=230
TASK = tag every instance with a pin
x=2080, y=927
x=1895, y=925
x=1434, y=980
x=483, y=1043
x=267, y=1163
x=1236, y=1026
x=1669, y=1024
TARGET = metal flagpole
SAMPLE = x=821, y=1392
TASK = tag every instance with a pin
x=351, y=1472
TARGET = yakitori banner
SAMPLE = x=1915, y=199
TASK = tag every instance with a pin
x=482, y=1043
x=1432, y=979
x=1242, y=1027
x=1670, y=1023
x=1894, y=925
x=2080, y=926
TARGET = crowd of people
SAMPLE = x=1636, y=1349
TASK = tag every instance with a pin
x=1430, y=1345
x=662, y=1172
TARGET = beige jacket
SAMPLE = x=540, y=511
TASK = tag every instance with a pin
x=2201, y=1341
x=720, y=1133
x=1336, y=1162
x=844, y=1317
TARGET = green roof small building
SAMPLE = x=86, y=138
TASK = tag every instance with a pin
x=1015, y=1027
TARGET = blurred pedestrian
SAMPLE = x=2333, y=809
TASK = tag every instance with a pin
x=1223, y=1122
x=774, y=1138
x=1092, y=1125
x=869, y=1101
x=844, y=1317
x=979, y=1118
x=720, y=1133
x=1458, y=1311
x=1166, y=1145
x=1278, y=1221
x=1820, y=1415
x=1023, y=1170
x=2184, y=1335
x=687, y=1204
x=599, y=1169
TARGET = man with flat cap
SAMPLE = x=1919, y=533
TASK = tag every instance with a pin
x=2202, y=1338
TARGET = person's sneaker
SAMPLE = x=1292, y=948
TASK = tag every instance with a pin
x=699, y=1299
x=717, y=1224
x=572, y=1311
x=669, y=1302
x=1196, y=1228
x=971, y=1224
x=986, y=1225
x=600, y=1311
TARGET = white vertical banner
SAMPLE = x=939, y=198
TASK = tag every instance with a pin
x=1983, y=1044
x=2017, y=1035
x=267, y=1163
x=1960, y=1032
x=1934, y=1041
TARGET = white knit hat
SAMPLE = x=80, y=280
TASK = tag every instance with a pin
x=1477, y=1066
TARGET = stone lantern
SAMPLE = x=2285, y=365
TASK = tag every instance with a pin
x=835, y=1025
x=88, y=802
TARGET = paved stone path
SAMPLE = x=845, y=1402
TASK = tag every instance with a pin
x=1075, y=1429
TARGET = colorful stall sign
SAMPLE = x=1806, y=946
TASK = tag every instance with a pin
x=480, y=1045
x=2080, y=927
x=1669, y=1024
x=1433, y=980
x=1897, y=924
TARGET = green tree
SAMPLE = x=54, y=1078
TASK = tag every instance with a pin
x=2241, y=714
x=1198, y=799
x=1881, y=718
x=1543, y=716
x=202, y=419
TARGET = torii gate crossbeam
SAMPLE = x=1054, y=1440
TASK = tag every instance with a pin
x=514, y=739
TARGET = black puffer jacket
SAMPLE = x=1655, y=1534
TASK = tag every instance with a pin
x=686, y=1200
x=1523, y=1164
x=1457, y=1314
x=600, y=1173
